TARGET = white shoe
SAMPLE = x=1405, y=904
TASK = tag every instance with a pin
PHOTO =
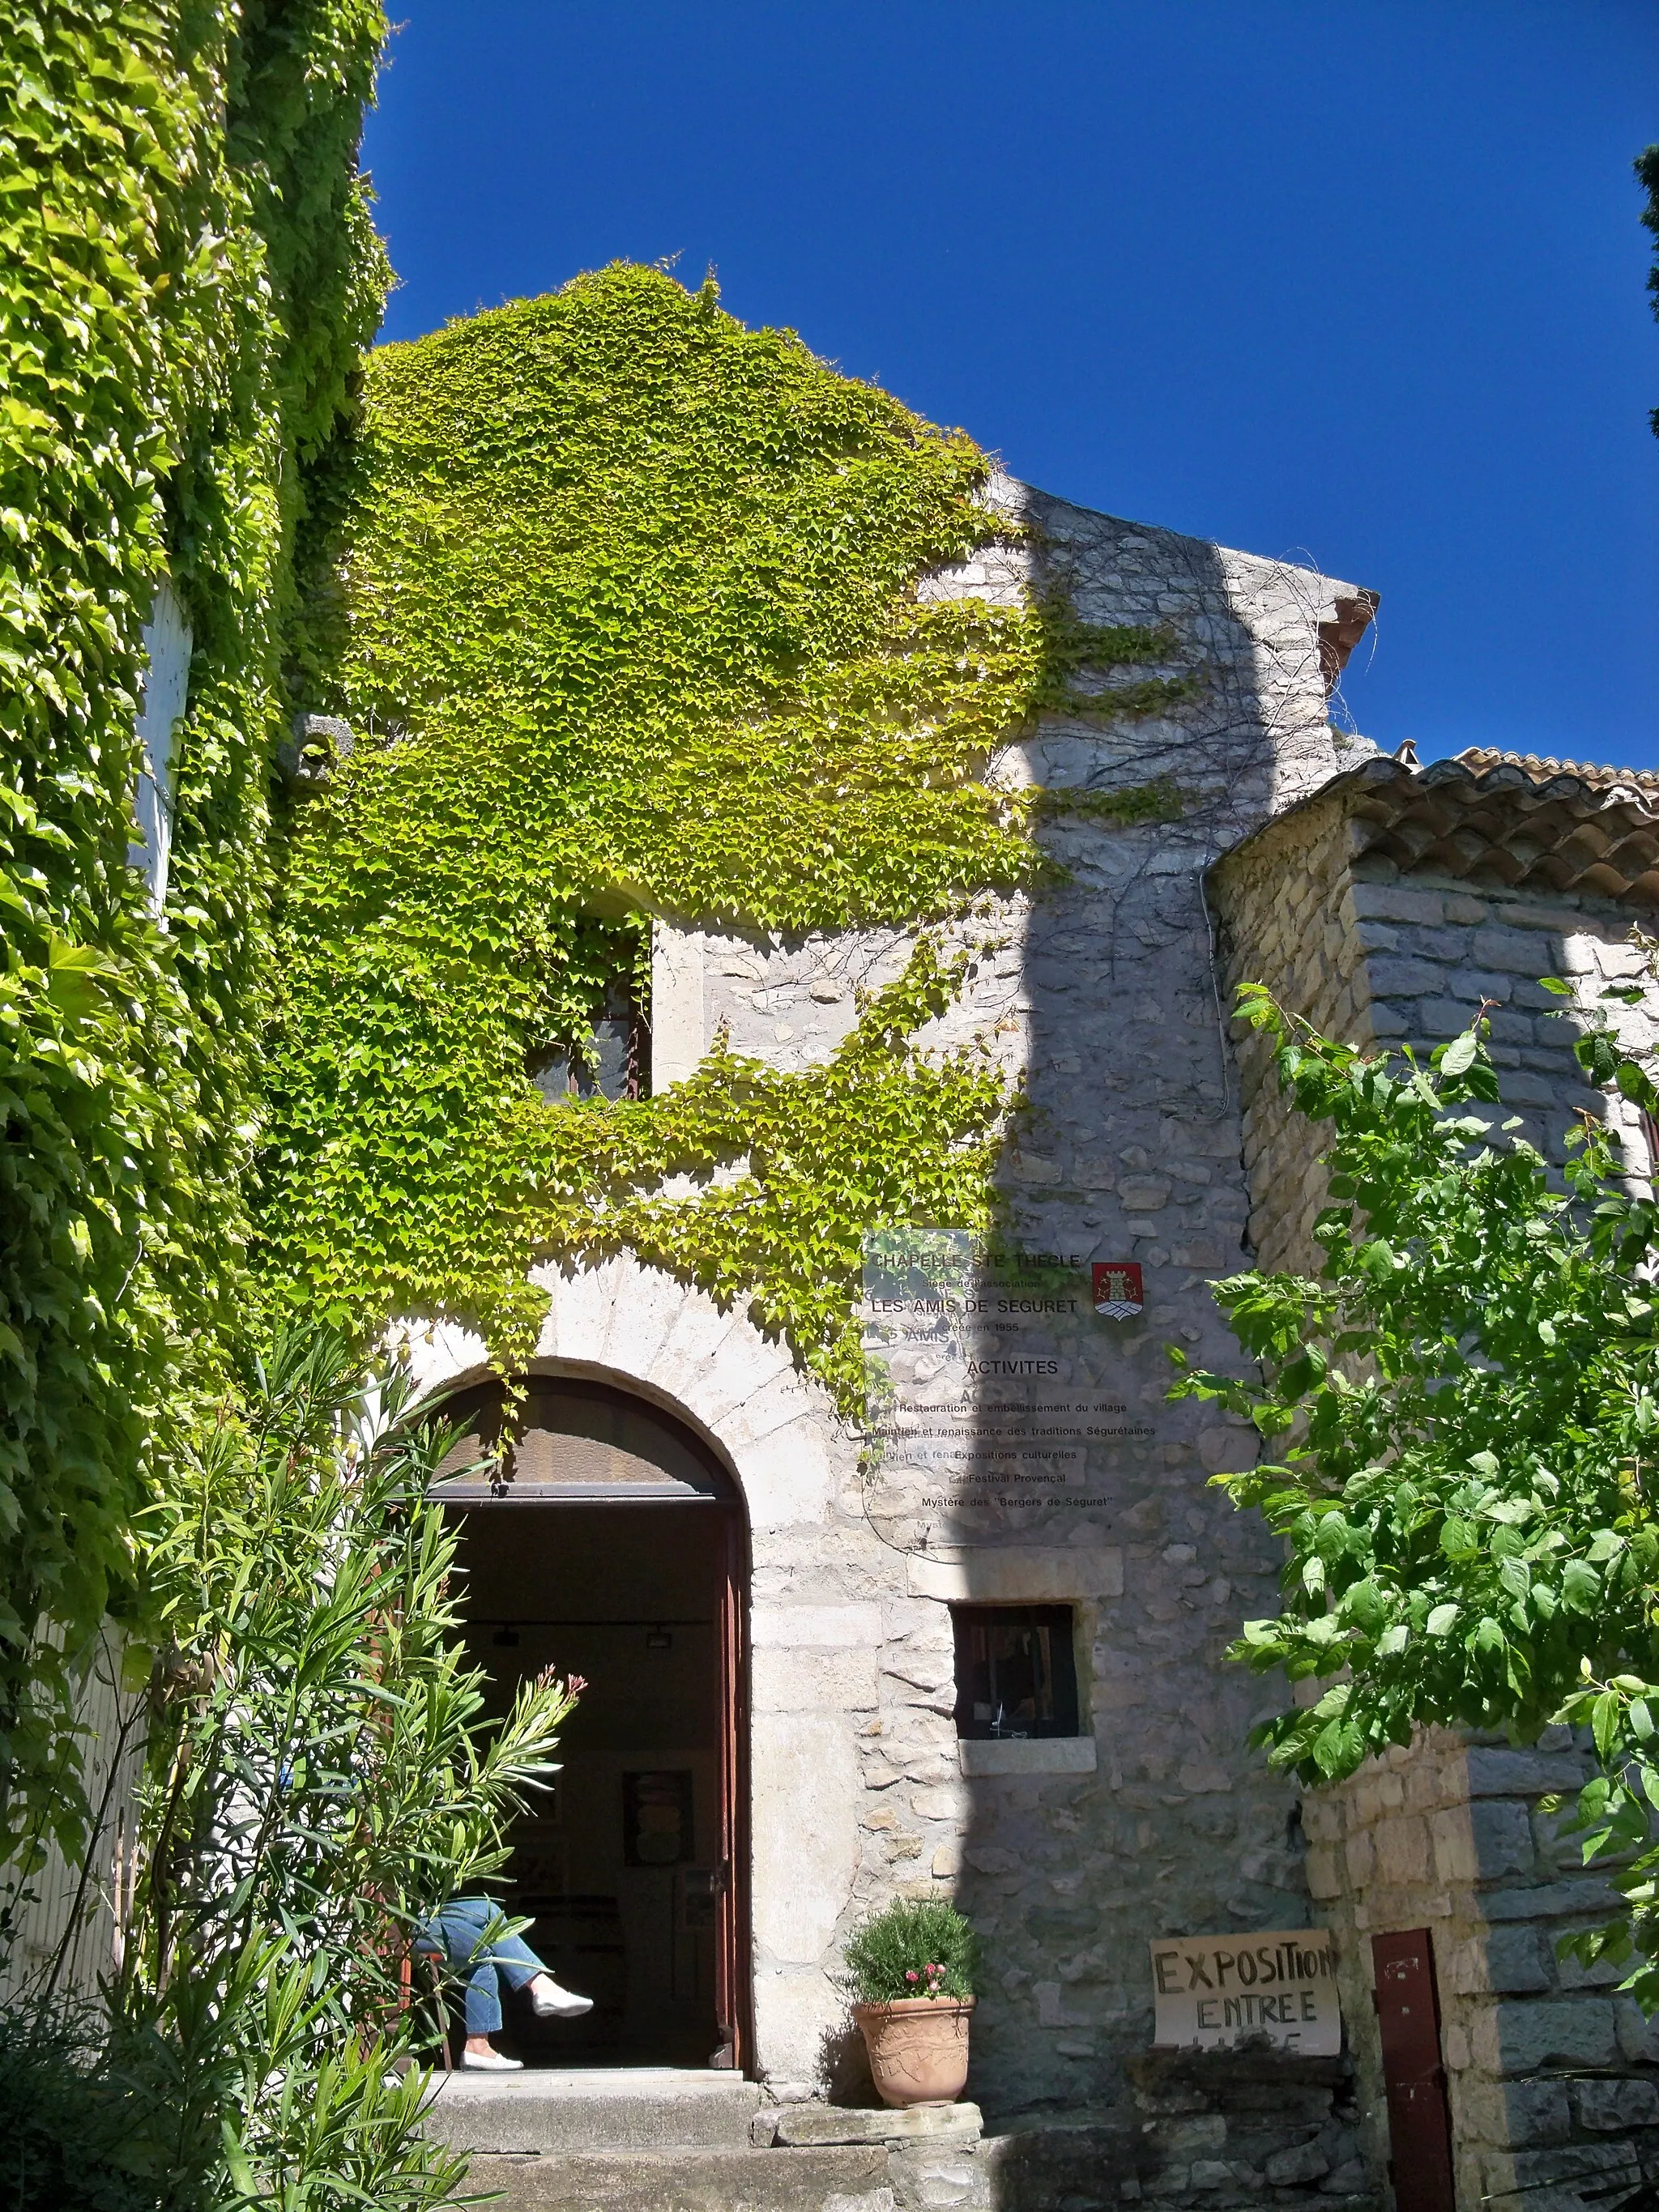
x=490, y=2062
x=551, y=2003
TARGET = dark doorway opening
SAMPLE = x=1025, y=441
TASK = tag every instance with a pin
x=607, y=1541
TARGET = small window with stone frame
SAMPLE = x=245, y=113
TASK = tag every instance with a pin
x=1016, y=1671
x=612, y=1059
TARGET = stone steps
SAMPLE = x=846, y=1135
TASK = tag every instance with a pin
x=850, y=2178
x=659, y=2140
x=631, y=2108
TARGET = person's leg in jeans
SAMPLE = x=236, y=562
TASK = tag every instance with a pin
x=515, y=1963
x=460, y=1931
x=483, y=2003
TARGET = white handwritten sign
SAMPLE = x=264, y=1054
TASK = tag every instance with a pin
x=1218, y=1990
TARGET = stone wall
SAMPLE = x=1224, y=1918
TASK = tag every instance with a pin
x=1378, y=959
x=1100, y=997
x=1552, y=2079
x=1289, y=920
x=1222, y=2131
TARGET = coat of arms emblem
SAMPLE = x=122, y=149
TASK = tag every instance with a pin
x=1117, y=1290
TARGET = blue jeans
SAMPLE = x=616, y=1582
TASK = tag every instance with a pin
x=458, y=1933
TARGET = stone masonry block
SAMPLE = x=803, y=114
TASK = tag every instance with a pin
x=1481, y=2111
x=1639, y=2036
x=1514, y=1959
x=1324, y=1875
x=1550, y=1900
x=1184, y=2137
x=1601, y=1974
x=1538, y=2112
x=1349, y=2180
x=1502, y=1830
x=1574, y=2163
x=1520, y=950
x=1612, y=2107
x=1393, y=978
x=1403, y=902
x=1402, y=1849
x=1462, y=906
x=1448, y=948
x=1461, y=1963
x=1371, y=938
x=1423, y=1790
x=1475, y=984
x=1302, y=2162
x=1322, y=1817
x=1571, y=2032
x=1455, y=1856
x=1443, y=1017
x=1524, y=1088
x=1529, y=993
x=1496, y=1772
x=812, y=1681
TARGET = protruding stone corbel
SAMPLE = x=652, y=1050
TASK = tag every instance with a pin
x=315, y=743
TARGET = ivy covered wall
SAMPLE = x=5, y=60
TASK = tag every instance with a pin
x=188, y=275
x=632, y=626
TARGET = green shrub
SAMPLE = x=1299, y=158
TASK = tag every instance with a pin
x=64, y=2117
x=913, y=1950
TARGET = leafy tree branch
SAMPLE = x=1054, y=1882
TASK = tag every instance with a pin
x=1461, y=1417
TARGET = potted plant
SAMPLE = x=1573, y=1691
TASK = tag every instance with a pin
x=911, y=1968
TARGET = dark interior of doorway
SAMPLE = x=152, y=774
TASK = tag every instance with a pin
x=615, y=1867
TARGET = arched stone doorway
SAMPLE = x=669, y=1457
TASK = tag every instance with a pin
x=604, y=1537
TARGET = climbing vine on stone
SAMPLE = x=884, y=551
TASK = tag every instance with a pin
x=636, y=620
x=187, y=277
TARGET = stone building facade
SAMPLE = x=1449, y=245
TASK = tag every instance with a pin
x=1385, y=902
x=1390, y=907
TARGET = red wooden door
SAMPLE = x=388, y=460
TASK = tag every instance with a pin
x=731, y=1961
x=1420, y=2124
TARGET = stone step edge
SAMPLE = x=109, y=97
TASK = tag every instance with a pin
x=835, y=2159
x=799, y=2127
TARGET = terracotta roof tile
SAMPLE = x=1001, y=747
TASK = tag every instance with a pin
x=1541, y=768
x=1509, y=820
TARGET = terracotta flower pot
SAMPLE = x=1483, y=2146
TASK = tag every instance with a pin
x=918, y=2048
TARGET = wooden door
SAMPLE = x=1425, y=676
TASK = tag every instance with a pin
x=1419, y=2123
x=732, y=1959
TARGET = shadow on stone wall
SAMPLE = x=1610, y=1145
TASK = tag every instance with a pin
x=1131, y=1150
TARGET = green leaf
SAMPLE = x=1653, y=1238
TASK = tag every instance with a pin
x=1580, y=1586
x=1604, y=1724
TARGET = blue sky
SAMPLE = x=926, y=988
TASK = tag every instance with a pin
x=1359, y=284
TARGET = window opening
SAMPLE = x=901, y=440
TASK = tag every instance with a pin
x=615, y=1058
x=1016, y=1671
